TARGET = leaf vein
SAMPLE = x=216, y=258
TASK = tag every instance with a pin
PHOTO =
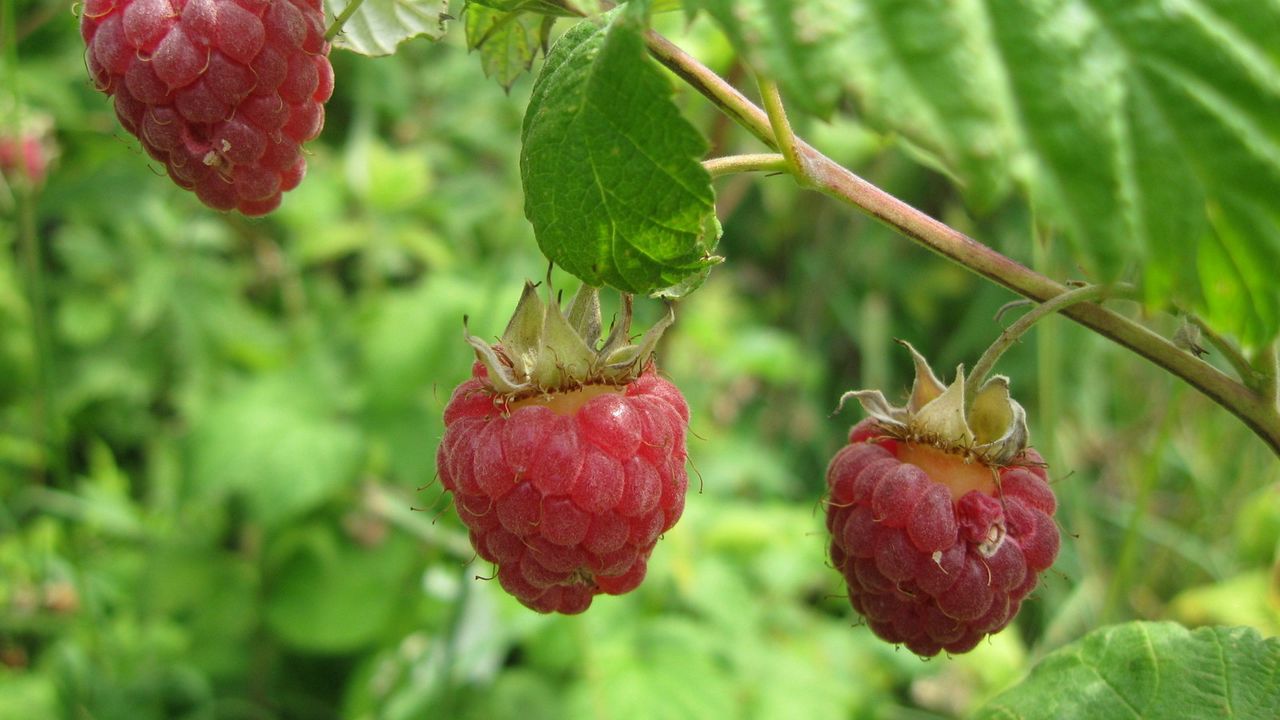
x=1107, y=682
x=1226, y=674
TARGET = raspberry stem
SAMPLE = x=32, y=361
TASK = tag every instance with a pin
x=1010, y=335
x=781, y=126
x=820, y=172
x=46, y=427
x=386, y=503
x=1269, y=368
x=724, y=96
x=336, y=26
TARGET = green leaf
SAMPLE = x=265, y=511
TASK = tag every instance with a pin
x=1124, y=121
x=508, y=41
x=380, y=25
x=1238, y=262
x=794, y=42
x=572, y=8
x=555, y=8
x=398, y=180
x=521, y=694
x=634, y=668
x=216, y=592
x=278, y=442
x=1245, y=599
x=1150, y=670
x=330, y=595
x=26, y=695
x=612, y=181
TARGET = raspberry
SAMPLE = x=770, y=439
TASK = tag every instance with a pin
x=566, y=463
x=24, y=157
x=223, y=92
x=26, y=151
x=940, y=531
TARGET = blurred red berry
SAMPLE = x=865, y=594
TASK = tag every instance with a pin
x=27, y=149
x=223, y=92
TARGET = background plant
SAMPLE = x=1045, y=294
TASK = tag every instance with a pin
x=211, y=429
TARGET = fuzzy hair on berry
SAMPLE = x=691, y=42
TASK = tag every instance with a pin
x=223, y=92
x=566, y=461
x=941, y=518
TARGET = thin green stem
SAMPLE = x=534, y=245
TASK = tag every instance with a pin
x=1268, y=369
x=723, y=95
x=336, y=26
x=782, y=132
x=828, y=176
x=1126, y=561
x=44, y=416
x=45, y=424
x=732, y=164
x=386, y=504
x=1020, y=326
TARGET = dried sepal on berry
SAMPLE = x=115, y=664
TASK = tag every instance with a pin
x=988, y=425
x=547, y=349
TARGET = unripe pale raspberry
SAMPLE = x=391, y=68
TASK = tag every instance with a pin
x=25, y=157
x=939, y=540
x=223, y=92
x=567, y=484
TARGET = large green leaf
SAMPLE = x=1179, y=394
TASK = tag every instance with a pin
x=25, y=695
x=378, y=26
x=331, y=595
x=412, y=349
x=612, y=181
x=635, y=669
x=1125, y=121
x=1151, y=670
x=795, y=42
x=554, y=8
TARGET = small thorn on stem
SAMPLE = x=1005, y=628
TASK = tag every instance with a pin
x=336, y=26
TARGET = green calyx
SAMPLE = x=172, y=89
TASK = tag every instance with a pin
x=546, y=349
x=987, y=424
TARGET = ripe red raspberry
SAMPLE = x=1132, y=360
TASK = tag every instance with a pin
x=223, y=92
x=940, y=520
x=566, y=463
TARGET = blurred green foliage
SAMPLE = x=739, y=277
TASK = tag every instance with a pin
x=217, y=436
